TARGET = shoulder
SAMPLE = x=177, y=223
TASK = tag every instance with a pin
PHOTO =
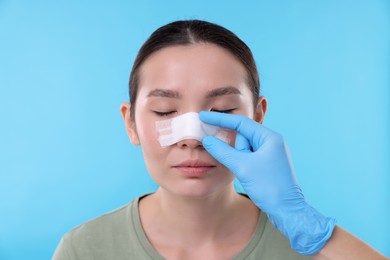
x=97, y=237
x=273, y=245
x=102, y=226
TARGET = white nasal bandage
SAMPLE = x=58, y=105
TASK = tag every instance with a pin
x=187, y=126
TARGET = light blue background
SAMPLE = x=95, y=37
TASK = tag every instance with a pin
x=64, y=66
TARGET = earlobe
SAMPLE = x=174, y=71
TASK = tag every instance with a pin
x=261, y=109
x=129, y=123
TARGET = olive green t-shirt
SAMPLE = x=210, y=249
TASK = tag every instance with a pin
x=119, y=235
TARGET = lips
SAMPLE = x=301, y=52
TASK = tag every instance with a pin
x=194, y=168
x=194, y=163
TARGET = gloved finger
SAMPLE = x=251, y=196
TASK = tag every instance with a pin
x=250, y=129
x=242, y=144
x=222, y=152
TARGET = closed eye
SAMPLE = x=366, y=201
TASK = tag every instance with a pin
x=224, y=111
x=164, y=113
x=227, y=111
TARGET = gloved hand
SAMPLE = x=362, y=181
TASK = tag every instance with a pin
x=262, y=164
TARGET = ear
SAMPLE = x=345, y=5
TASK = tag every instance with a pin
x=261, y=109
x=129, y=123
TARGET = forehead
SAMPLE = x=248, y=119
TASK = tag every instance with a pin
x=197, y=66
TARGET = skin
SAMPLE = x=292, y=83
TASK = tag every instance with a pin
x=191, y=218
x=344, y=246
x=195, y=218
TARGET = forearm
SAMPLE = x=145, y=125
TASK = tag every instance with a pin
x=343, y=245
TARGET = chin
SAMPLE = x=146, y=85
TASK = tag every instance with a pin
x=197, y=188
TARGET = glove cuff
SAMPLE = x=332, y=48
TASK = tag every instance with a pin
x=312, y=243
x=306, y=228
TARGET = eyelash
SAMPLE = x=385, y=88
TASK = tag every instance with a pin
x=163, y=113
x=227, y=111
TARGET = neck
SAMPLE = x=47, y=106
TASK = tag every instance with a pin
x=206, y=218
x=203, y=210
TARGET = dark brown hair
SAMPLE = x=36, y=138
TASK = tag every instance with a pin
x=190, y=32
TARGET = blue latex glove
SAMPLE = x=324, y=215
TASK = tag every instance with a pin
x=262, y=164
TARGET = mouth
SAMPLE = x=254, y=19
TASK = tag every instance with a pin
x=194, y=168
x=194, y=163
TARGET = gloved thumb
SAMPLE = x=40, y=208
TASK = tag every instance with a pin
x=222, y=152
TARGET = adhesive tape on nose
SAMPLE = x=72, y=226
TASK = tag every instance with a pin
x=187, y=126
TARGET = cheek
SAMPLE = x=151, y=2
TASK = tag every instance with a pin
x=148, y=135
x=146, y=130
x=232, y=137
x=153, y=154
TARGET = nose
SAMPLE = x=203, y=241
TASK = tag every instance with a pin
x=190, y=143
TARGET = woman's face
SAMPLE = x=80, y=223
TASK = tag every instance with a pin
x=178, y=80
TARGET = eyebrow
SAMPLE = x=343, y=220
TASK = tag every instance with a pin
x=164, y=93
x=223, y=91
x=211, y=94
